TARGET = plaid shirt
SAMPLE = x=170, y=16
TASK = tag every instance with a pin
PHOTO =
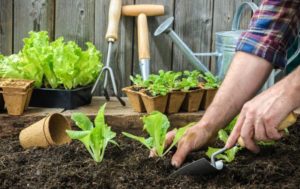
x=272, y=30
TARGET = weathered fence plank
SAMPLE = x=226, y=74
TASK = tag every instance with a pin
x=121, y=61
x=193, y=23
x=75, y=20
x=160, y=47
x=31, y=15
x=6, y=26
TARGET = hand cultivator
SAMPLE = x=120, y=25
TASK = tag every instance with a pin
x=111, y=37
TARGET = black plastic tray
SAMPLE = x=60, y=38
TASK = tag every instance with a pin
x=1, y=103
x=61, y=98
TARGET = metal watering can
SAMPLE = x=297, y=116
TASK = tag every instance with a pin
x=226, y=42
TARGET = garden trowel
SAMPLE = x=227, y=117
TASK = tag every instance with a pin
x=142, y=12
x=111, y=37
x=205, y=167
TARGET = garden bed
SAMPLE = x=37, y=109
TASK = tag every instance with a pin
x=70, y=166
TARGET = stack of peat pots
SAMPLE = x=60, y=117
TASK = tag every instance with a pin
x=188, y=95
x=16, y=94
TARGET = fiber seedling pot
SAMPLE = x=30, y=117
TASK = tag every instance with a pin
x=175, y=101
x=208, y=98
x=192, y=100
x=135, y=99
x=51, y=130
x=16, y=94
x=157, y=103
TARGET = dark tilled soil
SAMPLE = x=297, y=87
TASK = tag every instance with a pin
x=70, y=166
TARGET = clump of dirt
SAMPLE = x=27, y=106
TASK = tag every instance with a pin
x=127, y=166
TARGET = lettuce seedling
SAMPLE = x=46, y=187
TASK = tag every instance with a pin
x=190, y=80
x=157, y=124
x=211, y=82
x=223, y=135
x=171, y=79
x=95, y=137
x=138, y=81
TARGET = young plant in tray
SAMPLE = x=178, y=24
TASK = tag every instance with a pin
x=155, y=96
x=95, y=137
x=194, y=93
x=223, y=135
x=211, y=81
x=157, y=124
x=138, y=82
x=211, y=85
x=190, y=80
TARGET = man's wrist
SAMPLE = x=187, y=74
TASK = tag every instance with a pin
x=209, y=125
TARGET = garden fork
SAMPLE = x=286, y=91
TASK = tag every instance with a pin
x=111, y=37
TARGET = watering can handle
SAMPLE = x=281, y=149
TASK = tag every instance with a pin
x=238, y=14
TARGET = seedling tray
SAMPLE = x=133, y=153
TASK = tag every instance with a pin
x=61, y=98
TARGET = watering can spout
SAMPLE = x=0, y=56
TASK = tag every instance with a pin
x=166, y=28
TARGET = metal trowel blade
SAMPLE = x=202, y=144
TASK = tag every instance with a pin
x=196, y=168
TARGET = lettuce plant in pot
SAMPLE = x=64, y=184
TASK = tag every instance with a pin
x=62, y=71
x=210, y=86
x=133, y=94
x=155, y=96
x=176, y=96
x=194, y=92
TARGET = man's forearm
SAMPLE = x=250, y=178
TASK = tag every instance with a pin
x=245, y=77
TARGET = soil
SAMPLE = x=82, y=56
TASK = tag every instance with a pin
x=70, y=166
x=137, y=89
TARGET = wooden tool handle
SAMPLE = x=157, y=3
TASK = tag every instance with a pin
x=148, y=10
x=287, y=122
x=114, y=15
x=143, y=37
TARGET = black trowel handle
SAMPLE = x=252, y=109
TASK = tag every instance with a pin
x=113, y=20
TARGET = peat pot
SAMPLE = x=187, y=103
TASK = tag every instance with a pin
x=192, y=100
x=135, y=99
x=16, y=94
x=175, y=101
x=49, y=131
x=157, y=103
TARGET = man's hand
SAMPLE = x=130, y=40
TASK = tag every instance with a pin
x=194, y=138
x=260, y=117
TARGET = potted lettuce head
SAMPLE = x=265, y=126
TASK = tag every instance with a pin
x=62, y=71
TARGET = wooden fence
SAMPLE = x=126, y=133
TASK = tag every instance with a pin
x=196, y=21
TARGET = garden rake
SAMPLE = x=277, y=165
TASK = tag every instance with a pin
x=111, y=37
x=204, y=167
